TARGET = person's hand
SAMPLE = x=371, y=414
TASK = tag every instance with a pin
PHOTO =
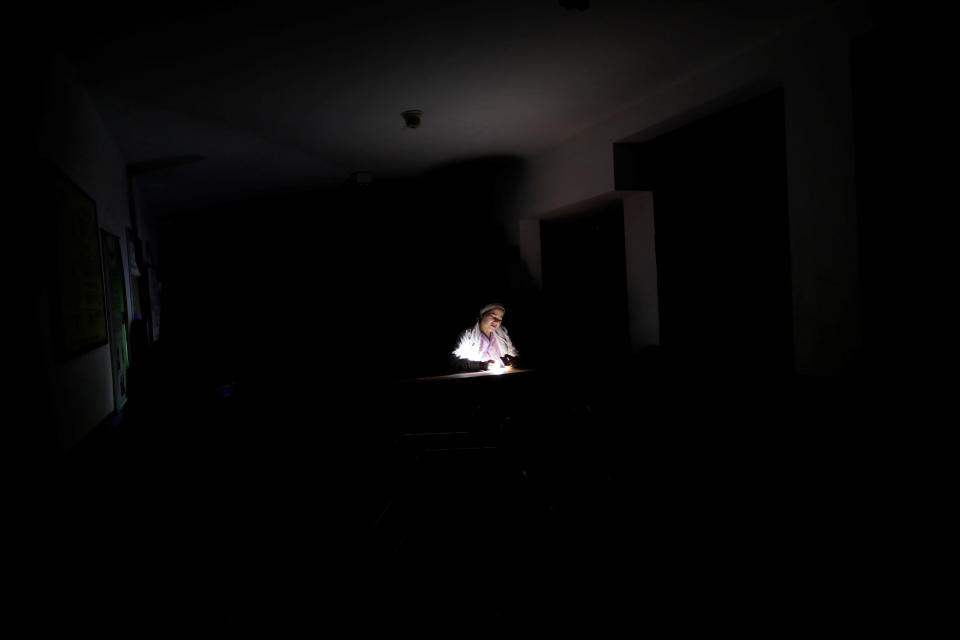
x=499, y=367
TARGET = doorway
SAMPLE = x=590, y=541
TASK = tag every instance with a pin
x=722, y=237
x=584, y=284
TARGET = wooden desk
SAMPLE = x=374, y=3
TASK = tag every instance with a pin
x=476, y=374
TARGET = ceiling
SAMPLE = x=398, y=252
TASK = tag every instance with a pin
x=220, y=103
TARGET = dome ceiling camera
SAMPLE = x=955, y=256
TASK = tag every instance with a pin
x=412, y=118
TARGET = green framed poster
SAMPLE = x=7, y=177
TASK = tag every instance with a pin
x=77, y=294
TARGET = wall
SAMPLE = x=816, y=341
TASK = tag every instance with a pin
x=72, y=137
x=641, y=258
x=811, y=62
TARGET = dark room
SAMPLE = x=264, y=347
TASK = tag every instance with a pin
x=461, y=317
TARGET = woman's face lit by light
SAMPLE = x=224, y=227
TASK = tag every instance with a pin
x=490, y=321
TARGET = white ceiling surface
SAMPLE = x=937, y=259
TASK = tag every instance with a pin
x=274, y=99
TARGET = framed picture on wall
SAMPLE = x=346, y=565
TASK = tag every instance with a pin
x=117, y=307
x=77, y=296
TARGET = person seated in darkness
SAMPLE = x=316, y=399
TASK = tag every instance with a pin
x=487, y=345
